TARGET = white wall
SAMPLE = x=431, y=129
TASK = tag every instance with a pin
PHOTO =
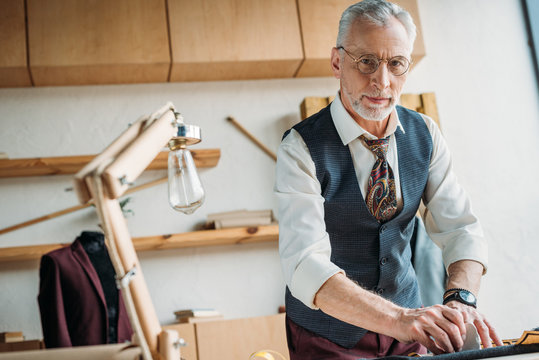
x=477, y=63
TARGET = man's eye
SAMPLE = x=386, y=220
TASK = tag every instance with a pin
x=368, y=61
x=397, y=63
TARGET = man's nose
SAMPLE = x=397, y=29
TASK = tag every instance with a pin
x=381, y=76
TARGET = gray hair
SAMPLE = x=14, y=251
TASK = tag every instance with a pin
x=377, y=12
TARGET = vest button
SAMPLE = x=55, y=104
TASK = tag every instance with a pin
x=383, y=261
x=380, y=291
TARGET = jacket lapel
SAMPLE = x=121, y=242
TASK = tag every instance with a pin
x=80, y=255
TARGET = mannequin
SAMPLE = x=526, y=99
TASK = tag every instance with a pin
x=78, y=299
x=94, y=245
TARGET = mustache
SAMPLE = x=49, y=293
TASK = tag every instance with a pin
x=379, y=94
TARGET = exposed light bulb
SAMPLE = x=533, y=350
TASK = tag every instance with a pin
x=185, y=191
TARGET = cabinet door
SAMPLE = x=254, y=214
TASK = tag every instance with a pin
x=13, y=61
x=319, y=25
x=234, y=39
x=187, y=333
x=239, y=338
x=78, y=42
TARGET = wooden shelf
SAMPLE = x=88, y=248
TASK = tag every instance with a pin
x=64, y=165
x=232, y=236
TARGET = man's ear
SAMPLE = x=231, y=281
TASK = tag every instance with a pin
x=336, y=64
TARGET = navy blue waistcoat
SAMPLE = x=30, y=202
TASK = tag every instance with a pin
x=376, y=256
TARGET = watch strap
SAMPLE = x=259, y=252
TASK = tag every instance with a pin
x=454, y=295
x=453, y=290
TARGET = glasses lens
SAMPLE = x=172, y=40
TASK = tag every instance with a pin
x=367, y=64
x=398, y=65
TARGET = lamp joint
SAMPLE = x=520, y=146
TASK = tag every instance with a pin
x=123, y=282
x=123, y=180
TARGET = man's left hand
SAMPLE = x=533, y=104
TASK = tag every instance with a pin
x=485, y=330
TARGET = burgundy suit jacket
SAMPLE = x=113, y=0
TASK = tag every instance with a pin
x=72, y=303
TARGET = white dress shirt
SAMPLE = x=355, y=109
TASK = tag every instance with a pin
x=304, y=244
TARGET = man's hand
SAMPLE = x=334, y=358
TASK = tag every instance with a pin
x=440, y=328
x=466, y=274
x=484, y=329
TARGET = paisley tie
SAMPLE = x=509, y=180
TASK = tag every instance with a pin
x=381, y=196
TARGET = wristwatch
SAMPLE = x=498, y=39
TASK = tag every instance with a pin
x=461, y=295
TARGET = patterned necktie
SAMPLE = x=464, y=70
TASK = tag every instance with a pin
x=381, y=195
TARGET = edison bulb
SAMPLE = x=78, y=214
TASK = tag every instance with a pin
x=185, y=191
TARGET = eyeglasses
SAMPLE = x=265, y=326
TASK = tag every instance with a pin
x=368, y=63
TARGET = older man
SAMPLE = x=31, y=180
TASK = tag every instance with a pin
x=349, y=181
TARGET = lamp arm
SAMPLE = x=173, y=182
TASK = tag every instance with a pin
x=137, y=155
x=107, y=178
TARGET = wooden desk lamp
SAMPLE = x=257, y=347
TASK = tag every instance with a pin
x=104, y=180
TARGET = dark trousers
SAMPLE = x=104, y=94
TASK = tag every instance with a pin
x=305, y=345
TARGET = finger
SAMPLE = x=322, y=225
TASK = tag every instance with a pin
x=493, y=334
x=435, y=324
x=484, y=332
x=453, y=325
x=457, y=318
x=445, y=332
x=442, y=340
x=452, y=334
x=430, y=344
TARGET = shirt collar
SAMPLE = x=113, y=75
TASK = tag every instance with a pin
x=348, y=129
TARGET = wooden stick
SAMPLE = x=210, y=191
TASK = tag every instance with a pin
x=76, y=208
x=44, y=218
x=253, y=138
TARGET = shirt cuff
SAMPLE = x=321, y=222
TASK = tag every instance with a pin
x=309, y=277
x=466, y=248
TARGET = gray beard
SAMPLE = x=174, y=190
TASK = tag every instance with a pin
x=373, y=113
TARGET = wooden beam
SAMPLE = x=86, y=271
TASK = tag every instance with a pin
x=231, y=236
x=65, y=165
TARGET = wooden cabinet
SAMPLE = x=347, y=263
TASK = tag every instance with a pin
x=13, y=58
x=319, y=25
x=81, y=42
x=75, y=42
x=239, y=338
x=187, y=333
x=233, y=339
x=234, y=39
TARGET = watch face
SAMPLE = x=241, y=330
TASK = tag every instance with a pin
x=467, y=296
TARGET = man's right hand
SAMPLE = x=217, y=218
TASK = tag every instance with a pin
x=439, y=328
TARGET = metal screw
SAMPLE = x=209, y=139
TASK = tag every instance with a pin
x=180, y=343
